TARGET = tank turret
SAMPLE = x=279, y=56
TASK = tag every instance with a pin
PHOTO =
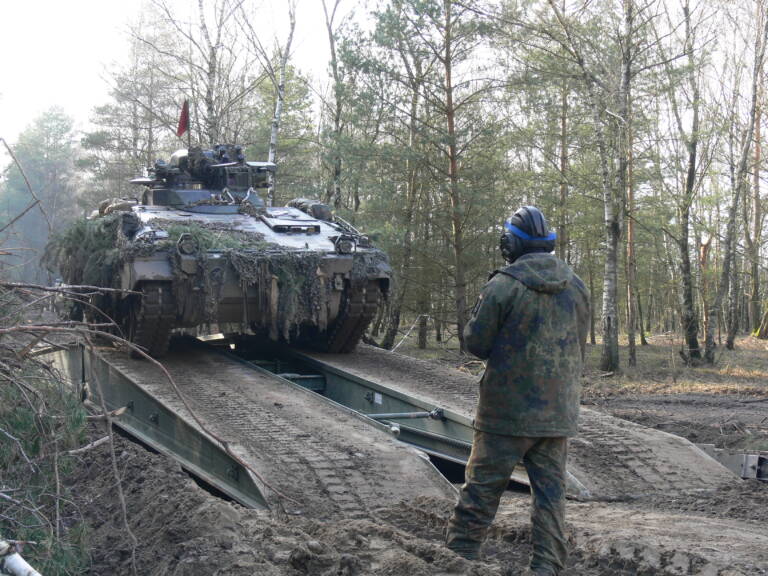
x=195, y=178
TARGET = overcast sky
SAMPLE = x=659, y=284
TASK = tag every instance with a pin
x=55, y=52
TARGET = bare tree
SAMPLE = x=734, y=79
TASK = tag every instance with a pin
x=212, y=67
x=612, y=192
x=686, y=103
x=278, y=79
x=740, y=183
x=752, y=211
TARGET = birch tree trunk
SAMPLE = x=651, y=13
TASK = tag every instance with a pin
x=211, y=68
x=739, y=186
x=732, y=317
x=562, y=225
x=762, y=331
x=334, y=193
x=753, y=228
x=591, y=272
x=411, y=193
x=609, y=360
x=625, y=183
x=753, y=240
x=279, y=101
x=414, y=81
x=688, y=316
x=704, y=268
x=12, y=563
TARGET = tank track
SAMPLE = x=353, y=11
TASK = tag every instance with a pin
x=360, y=308
x=153, y=319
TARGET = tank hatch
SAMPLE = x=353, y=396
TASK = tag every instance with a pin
x=290, y=221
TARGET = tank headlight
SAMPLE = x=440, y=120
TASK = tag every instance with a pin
x=187, y=244
x=345, y=245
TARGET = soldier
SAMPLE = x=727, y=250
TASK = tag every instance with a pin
x=530, y=323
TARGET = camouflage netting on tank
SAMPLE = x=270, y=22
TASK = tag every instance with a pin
x=208, y=235
x=367, y=265
x=291, y=289
x=90, y=251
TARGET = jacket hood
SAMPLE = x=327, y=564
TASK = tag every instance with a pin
x=540, y=272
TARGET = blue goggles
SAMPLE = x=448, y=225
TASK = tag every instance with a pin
x=525, y=236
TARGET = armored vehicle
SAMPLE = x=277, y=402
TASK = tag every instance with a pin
x=201, y=249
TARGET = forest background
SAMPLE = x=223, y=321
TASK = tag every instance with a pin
x=636, y=126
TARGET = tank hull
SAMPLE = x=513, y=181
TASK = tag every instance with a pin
x=234, y=273
x=290, y=284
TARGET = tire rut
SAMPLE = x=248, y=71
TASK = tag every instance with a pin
x=328, y=461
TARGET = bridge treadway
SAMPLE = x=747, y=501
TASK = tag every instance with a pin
x=610, y=457
x=327, y=460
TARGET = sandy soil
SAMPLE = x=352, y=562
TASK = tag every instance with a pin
x=182, y=529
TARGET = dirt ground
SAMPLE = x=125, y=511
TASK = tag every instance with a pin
x=725, y=405
x=183, y=529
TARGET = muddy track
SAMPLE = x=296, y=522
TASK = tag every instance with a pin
x=360, y=308
x=368, y=508
x=182, y=530
x=325, y=459
x=154, y=318
x=726, y=420
x=613, y=458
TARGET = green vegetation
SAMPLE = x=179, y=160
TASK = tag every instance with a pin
x=87, y=251
x=41, y=418
x=221, y=238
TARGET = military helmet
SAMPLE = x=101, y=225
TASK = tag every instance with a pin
x=524, y=232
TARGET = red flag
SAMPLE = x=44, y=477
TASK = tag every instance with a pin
x=183, y=120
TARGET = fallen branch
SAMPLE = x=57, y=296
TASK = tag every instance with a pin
x=54, y=327
x=12, y=563
x=752, y=401
x=5, y=496
x=58, y=487
x=101, y=417
x=34, y=511
x=26, y=305
x=21, y=449
x=16, y=219
x=21, y=354
x=67, y=288
x=91, y=445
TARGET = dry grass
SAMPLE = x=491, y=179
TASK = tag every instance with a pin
x=661, y=370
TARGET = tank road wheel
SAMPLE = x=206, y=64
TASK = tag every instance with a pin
x=360, y=306
x=151, y=318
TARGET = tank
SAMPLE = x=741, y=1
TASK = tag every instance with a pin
x=200, y=250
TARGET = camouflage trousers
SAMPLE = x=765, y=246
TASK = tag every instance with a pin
x=490, y=465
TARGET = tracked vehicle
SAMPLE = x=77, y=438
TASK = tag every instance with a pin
x=201, y=250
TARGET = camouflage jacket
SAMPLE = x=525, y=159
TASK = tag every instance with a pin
x=530, y=323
